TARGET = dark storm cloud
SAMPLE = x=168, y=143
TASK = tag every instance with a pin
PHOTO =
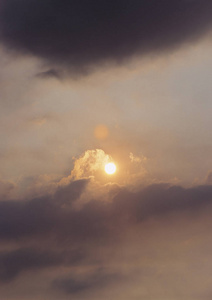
x=78, y=34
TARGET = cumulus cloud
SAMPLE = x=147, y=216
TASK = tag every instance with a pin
x=89, y=163
x=79, y=34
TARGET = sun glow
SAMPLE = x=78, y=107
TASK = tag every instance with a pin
x=110, y=168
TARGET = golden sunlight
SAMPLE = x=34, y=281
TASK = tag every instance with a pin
x=110, y=168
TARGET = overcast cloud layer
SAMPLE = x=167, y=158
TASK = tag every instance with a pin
x=68, y=230
x=80, y=34
x=50, y=233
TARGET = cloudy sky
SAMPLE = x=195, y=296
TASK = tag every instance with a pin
x=88, y=82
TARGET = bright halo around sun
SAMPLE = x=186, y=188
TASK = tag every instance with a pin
x=110, y=168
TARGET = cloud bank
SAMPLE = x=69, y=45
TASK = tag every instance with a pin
x=80, y=34
x=51, y=233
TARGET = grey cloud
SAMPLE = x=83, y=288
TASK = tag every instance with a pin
x=47, y=216
x=14, y=262
x=209, y=178
x=159, y=200
x=6, y=188
x=99, y=279
x=38, y=216
x=51, y=73
x=79, y=34
x=70, y=192
x=52, y=220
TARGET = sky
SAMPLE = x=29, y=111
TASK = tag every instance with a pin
x=84, y=83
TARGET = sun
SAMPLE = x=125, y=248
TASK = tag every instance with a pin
x=110, y=168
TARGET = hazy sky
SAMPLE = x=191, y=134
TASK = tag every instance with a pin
x=83, y=83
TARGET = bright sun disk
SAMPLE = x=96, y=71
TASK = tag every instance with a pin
x=110, y=168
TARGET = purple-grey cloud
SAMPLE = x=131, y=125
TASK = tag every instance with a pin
x=51, y=215
x=79, y=34
x=96, y=280
x=77, y=231
x=15, y=262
